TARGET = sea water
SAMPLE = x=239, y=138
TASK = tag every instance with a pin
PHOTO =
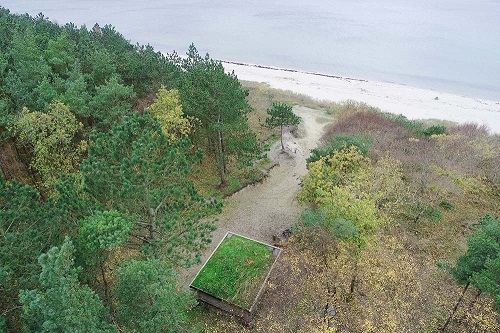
x=445, y=45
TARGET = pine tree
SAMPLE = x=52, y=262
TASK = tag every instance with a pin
x=134, y=170
x=148, y=299
x=479, y=262
x=61, y=304
x=218, y=100
x=281, y=115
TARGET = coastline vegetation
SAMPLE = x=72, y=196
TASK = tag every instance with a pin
x=385, y=215
x=114, y=159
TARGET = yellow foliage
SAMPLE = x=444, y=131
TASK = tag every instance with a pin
x=339, y=184
x=482, y=317
x=343, y=202
x=167, y=108
x=385, y=184
x=52, y=136
x=392, y=282
x=325, y=329
x=467, y=184
x=331, y=171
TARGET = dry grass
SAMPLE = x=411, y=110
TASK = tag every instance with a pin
x=470, y=130
x=261, y=96
x=460, y=169
x=265, y=95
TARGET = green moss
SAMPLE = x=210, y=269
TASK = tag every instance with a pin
x=236, y=270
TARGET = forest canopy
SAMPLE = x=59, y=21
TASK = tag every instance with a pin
x=101, y=142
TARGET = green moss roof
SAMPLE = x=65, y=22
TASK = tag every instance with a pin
x=236, y=270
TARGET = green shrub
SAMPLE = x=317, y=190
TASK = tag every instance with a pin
x=341, y=228
x=434, y=130
x=433, y=214
x=416, y=126
x=421, y=213
x=336, y=228
x=337, y=143
x=446, y=205
x=412, y=125
x=312, y=218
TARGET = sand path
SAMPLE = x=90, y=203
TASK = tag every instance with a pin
x=263, y=210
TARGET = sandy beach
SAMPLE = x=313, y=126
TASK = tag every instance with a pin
x=414, y=103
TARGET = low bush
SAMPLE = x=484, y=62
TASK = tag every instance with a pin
x=434, y=130
x=412, y=125
x=337, y=143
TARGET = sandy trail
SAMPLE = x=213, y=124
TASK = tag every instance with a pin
x=263, y=210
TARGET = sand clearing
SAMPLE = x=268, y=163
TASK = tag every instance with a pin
x=414, y=103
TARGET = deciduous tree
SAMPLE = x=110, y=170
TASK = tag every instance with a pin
x=53, y=138
x=167, y=108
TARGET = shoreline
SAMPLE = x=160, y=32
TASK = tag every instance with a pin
x=414, y=103
x=291, y=70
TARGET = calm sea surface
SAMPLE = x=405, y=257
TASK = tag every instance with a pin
x=446, y=45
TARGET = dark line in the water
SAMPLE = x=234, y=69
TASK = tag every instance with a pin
x=292, y=70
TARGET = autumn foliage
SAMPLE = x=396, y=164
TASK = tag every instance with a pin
x=364, y=256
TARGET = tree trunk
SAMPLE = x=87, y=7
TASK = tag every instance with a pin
x=107, y=297
x=469, y=308
x=352, y=285
x=443, y=328
x=223, y=151
x=420, y=213
x=3, y=172
x=152, y=223
x=220, y=151
x=281, y=137
x=212, y=146
x=220, y=159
